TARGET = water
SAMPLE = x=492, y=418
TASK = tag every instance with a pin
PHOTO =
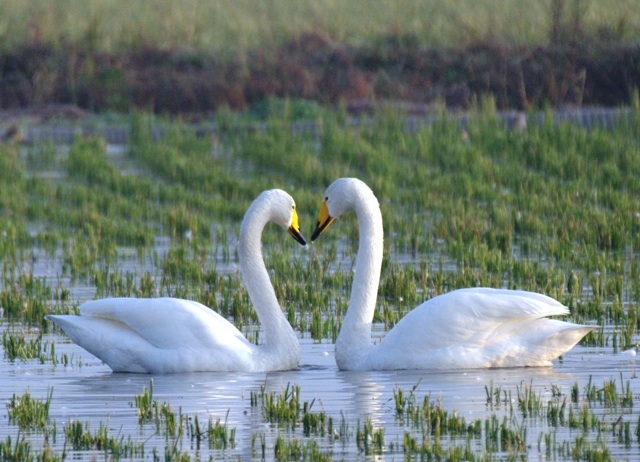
x=92, y=394
x=87, y=391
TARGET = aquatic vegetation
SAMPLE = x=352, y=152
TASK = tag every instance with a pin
x=295, y=449
x=428, y=428
x=17, y=346
x=24, y=298
x=283, y=408
x=510, y=433
x=315, y=423
x=551, y=209
x=529, y=404
x=369, y=440
x=26, y=346
x=15, y=451
x=174, y=426
x=145, y=404
x=79, y=438
x=29, y=413
x=217, y=434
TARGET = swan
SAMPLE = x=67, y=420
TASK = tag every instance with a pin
x=169, y=335
x=466, y=328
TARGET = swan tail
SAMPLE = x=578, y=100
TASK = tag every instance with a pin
x=543, y=342
x=97, y=336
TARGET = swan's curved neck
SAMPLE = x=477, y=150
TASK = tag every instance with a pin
x=354, y=339
x=278, y=333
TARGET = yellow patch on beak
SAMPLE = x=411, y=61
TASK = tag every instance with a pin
x=294, y=228
x=324, y=220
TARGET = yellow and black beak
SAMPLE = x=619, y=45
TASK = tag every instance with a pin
x=324, y=220
x=294, y=229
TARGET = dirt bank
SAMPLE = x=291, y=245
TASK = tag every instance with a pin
x=315, y=68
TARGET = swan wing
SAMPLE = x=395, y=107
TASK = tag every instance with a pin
x=157, y=335
x=166, y=322
x=477, y=316
x=479, y=327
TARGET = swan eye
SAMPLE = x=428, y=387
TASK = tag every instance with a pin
x=326, y=198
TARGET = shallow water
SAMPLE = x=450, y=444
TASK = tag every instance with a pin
x=88, y=392
x=91, y=393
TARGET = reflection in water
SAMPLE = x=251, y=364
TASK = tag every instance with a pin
x=367, y=397
x=91, y=393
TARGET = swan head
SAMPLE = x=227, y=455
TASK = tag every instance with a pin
x=284, y=213
x=339, y=198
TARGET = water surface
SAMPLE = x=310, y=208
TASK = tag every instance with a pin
x=91, y=393
x=87, y=391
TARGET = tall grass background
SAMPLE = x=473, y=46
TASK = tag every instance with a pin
x=230, y=28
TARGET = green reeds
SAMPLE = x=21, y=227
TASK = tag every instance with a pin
x=78, y=437
x=29, y=413
x=145, y=404
x=18, y=346
x=551, y=209
x=219, y=435
x=370, y=440
x=15, y=451
x=282, y=408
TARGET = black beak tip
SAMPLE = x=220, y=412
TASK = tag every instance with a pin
x=297, y=236
x=316, y=233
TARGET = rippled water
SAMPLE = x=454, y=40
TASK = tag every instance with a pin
x=87, y=391
x=91, y=393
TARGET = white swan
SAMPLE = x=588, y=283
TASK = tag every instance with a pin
x=167, y=335
x=467, y=328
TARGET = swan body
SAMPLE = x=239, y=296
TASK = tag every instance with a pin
x=466, y=328
x=168, y=335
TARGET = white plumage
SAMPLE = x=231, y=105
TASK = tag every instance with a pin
x=167, y=335
x=467, y=328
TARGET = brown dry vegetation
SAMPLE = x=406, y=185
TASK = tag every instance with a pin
x=314, y=67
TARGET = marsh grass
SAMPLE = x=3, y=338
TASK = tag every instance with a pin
x=315, y=423
x=25, y=298
x=509, y=433
x=16, y=451
x=218, y=434
x=281, y=408
x=29, y=413
x=551, y=209
x=79, y=437
x=18, y=346
x=443, y=434
x=145, y=404
x=25, y=346
x=370, y=440
x=296, y=449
